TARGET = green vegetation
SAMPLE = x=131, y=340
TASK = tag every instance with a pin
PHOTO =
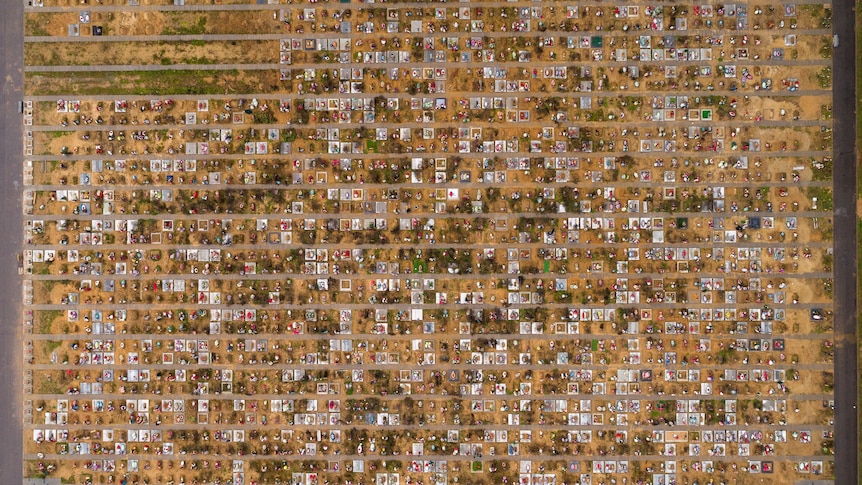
x=824, y=78
x=159, y=82
x=826, y=48
x=199, y=28
x=46, y=318
x=725, y=354
x=264, y=117
x=47, y=386
x=823, y=174
x=32, y=27
x=824, y=197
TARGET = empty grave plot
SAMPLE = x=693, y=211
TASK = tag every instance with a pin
x=428, y=243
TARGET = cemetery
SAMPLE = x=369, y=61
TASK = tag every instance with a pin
x=410, y=243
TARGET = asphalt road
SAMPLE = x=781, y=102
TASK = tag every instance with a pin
x=11, y=165
x=846, y=353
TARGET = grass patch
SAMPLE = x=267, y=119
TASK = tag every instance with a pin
x=52, y=345
x=59, y=134
x=160, y=82
x=200, y=60
x=199, y=28
x=823, y=174
x=46, y=318
x=47, y=386
x=826, y=48
x=34, y=27
x=824, y=197
x=824, y=78
x=196, y=51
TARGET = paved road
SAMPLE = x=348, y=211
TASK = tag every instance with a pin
x=449, y=457
x=84, y=307
x=416, y=245
x=11, y=166
x=439, y=367
x=846, y=352
x=226, y=422
x=418, y=395
x=428, y=154
x=340, y=6
x=461, y=185
x=534, y=124
x=265, y=96
x=338, y=65
x=177, y=216
x=339, y=35
x=372, y=337
x=363, y=276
